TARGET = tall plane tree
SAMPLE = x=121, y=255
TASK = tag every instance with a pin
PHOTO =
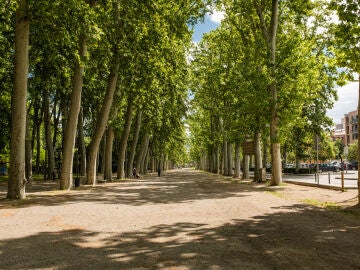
x=348, y=43
x=16, y=183
x=75, y=103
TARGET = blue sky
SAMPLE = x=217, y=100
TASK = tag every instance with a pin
x=205, y=27
x=211, y=22
x=347, y=95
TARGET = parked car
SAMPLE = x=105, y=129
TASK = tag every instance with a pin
x=353, y=165
x=328, y=167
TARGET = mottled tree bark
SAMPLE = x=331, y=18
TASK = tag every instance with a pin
x=141, y=153
x=269, y=35
x=103, y=154
x=108, y=153
x=28, y=152
x=81, y=144
x=134, y=142
x=66, y=180
x=237, y=170
x=101, y=122
x=123, y=141
x=225, y=158
x=229, y=159
x=144, y=155
x=258, y=160
x=16, y=181
x=217, y=158
x=246, y=172
x=48, y=137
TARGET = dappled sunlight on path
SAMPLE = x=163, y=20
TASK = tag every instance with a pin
x=184, y=219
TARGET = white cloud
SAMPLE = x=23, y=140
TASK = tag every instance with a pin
x=217, y=16
x=348, y=99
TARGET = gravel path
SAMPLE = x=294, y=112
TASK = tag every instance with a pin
x=185, y=219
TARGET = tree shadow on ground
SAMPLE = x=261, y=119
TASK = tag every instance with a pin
x=305, y=238
x=173, y=187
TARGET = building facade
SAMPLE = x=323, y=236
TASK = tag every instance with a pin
x=338, y=133
x=351, y=127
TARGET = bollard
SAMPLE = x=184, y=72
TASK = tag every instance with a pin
x=342, y=181
x=317, y=177
x=329, y=178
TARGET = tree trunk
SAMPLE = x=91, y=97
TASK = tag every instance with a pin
x=65, y=112
x=225, y=157
x=38, y=111
x=210, y=158
x=48, y=137
x=56, y=115
x=265, y=151
x=123, y=141
x=103, y=154
x=213, y=159
x=144, y=155
x=246, y=173
x=134, y=142
x=101, y=122
x=237, y=161
x=141, y=153
x=229, y=159
x=16, y=181
x=276, y=177
x=108, y=153
x=28, y=152
x=66, y=180
x=81, y=144
x=153, y=164
x=258, y=160
x=217, y=159
x=269, y=36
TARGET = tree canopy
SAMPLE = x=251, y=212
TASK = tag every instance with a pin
x=90, y=87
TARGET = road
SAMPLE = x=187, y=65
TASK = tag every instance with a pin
x=331, y=179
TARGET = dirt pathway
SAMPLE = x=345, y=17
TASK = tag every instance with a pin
x=182, y=220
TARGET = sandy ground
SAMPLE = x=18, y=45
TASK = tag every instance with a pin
x=184, y=219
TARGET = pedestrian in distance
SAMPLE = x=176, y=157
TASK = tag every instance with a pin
x=134, y=173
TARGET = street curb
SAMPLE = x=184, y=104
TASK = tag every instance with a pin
x=316, y=185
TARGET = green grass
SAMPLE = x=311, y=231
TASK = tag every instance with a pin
x=352, y=211
x=327, y=205
x=282, y=184
x=275, y=193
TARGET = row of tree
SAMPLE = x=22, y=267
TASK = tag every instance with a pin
x=90, y=78
x=268, y=74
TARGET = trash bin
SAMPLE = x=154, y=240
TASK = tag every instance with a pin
x=77, y=182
